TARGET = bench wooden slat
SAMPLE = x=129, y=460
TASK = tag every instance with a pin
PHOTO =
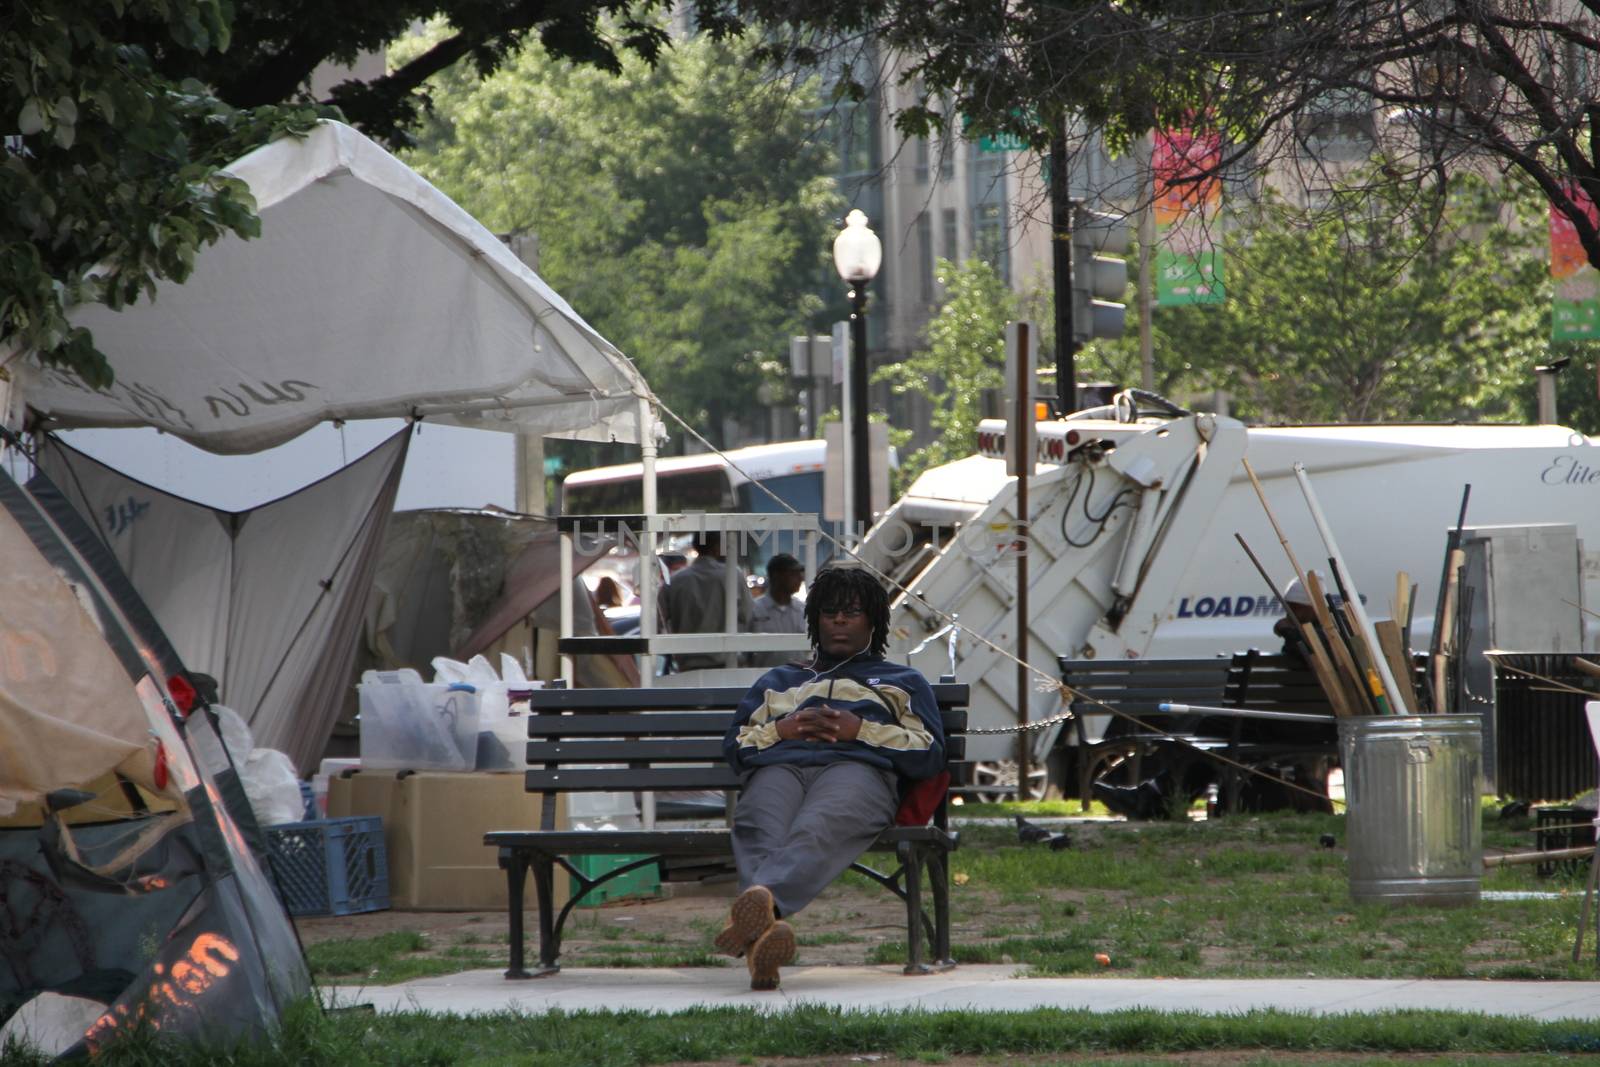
x=615, y=724
x=1122, y=683
x=696, y=842
x=670, y=698
x=619, y=723
x=629, y=779
x=586, y=750
x=1160, y=695
x=1134, y=666
x=575, y=739
x=568, y=779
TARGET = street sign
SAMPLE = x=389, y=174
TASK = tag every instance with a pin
x=1002, y=142
x=841, y=346
x=834, y=479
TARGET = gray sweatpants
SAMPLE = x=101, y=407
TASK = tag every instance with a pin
x=796, y=829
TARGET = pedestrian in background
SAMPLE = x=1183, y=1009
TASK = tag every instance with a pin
x=778, y=611
x=693, y=602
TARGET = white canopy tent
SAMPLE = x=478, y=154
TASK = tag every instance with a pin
x=369, y=294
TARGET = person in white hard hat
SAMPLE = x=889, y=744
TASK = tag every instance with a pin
x=1296, y=609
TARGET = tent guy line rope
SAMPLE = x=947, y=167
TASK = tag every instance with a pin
x=1052, y=683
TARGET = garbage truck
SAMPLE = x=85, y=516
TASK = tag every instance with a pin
x=1132, y=550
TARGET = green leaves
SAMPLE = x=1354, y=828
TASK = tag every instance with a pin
x=965, y=355
x=683, y=209
x=1381, y=307
x=112, y=186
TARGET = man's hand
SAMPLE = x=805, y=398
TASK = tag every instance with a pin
x=790, y=728
x=823, y=724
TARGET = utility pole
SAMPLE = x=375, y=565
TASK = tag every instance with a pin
x=1061, y=263
x=1147, y=281
x=1020, y=438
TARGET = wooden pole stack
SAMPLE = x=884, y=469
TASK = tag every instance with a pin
x=1364, y=666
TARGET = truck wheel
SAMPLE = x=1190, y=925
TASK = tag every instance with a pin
x=996, y=781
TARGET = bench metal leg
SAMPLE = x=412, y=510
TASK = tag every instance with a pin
x=939, y=883
x=515, y=864
x=911, y=863
x=549, y=936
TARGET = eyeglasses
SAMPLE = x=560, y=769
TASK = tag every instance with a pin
x=842, y=613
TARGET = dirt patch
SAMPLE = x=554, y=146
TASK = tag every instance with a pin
x=841, y=927
x=1127, y=894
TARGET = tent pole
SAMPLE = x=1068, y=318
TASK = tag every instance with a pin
x=647, y=543
x=569, y=669
x=647, y=575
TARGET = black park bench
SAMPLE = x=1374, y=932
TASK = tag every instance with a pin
x=1250, y=680
x=671, y=739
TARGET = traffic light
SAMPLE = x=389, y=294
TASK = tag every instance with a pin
x=1099, y=278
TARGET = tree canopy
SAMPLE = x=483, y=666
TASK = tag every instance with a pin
x=1508, y=85
x=118, y=115
x=278, y=44
x=109, y=182
x=683, y=207
x=1349, y=315
x=964, y=355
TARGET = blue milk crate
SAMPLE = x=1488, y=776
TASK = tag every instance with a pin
x=330, y=866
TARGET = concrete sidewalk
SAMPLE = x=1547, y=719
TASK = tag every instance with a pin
x=981, y=988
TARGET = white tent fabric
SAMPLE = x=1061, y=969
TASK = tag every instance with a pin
x=369, y=294
x=268, y=601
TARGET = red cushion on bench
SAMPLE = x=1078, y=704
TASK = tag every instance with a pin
x=922, y=799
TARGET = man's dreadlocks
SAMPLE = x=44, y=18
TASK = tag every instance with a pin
x=837, y=588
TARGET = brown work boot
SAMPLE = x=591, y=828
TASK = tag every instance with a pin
x=749, y=918
x=772, y=950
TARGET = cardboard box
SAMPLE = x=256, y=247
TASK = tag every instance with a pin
x=434, y=822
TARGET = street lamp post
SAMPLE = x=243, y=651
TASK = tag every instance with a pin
x=857, y=255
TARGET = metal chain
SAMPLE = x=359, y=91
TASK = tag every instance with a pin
x=1023, y=728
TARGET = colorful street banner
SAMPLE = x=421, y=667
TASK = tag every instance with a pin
x=1188, y=210
x=1575, y=315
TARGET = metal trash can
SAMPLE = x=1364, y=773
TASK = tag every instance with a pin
x=1412, y=824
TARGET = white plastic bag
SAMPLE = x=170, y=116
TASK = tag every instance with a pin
x=271, y=785
x=445, y=670
x=511, y=671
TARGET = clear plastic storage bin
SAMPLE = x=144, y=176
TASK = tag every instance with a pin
x=409, y=724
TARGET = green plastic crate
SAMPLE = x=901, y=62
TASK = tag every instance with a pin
x=644, y=882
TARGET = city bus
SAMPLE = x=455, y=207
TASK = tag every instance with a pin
x=746, y=481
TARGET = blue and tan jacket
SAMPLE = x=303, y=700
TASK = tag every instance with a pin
x=900, y=730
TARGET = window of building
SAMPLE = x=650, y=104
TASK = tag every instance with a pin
x=921, y=150
x=851, y=128
x=947, y=157
x=1338, y=126
x=925, y=255
x=986, y=198
x=950, y=243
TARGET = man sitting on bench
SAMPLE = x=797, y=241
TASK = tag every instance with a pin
x=822, y=748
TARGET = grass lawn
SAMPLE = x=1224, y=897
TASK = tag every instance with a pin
x=1243, y=896
x=813, y=1036
x=1246, y=896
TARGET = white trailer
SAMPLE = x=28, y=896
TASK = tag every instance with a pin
x=1133, y=552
